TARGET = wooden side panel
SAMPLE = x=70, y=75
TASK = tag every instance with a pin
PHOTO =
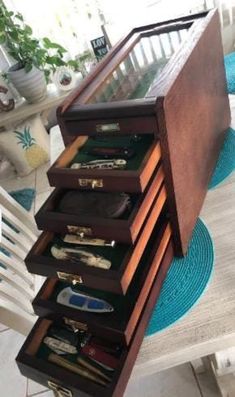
x=193, y=114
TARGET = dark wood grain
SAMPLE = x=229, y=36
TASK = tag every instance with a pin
x=193, y=114
x=190, y=103
x=76, y=106
x=114, y=281
x=132, y=181
x=110, y=326
x=122, y=230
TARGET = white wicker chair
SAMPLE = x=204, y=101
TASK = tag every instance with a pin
x=17, y=286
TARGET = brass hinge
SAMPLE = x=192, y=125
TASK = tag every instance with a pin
x=93, y=183
x=80, y=230
x=59, y=391
x=70, y=278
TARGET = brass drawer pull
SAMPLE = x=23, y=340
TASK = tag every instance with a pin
x=76, y=325
x=94, y=183
x=112, y=127
x=59, y=391
x=71, y=278
x=80, y=230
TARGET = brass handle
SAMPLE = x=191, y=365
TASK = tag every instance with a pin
x=94, y=183
x=111, y=127
x=80, y=230
x=71, y=278
x=59, y=391
x=76, y=325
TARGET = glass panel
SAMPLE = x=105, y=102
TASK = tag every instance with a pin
x=134, y=77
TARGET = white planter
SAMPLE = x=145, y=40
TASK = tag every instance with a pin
x=32, y=85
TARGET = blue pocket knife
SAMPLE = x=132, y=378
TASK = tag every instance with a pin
x=83, y=302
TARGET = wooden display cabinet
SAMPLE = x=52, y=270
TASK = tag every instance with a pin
x=175, y=93
x=160, y=92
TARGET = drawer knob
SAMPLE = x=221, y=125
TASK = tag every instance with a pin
x=59, y=391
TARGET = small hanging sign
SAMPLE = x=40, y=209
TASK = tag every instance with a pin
x=100, y=47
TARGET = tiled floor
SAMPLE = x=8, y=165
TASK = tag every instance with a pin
x=176, y=382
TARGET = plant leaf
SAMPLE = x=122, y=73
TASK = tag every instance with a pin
x=28, y=29
x=54, y=60
x=14, y=35
x=2, y=25
x=46, y=42
x=9, y=13
x=2, y=38
x=28, y=67
x=19, y=16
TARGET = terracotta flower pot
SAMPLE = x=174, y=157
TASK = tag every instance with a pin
x=32, y=85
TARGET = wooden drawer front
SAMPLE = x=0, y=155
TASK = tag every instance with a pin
x=133, y=179
x=127, y=125
x=125, y=257
x=120, y=324
x=42, y=371
x=124, y=230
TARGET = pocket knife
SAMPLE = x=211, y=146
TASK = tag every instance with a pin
x=112, y=152
x=111, y=164
x=86, y=303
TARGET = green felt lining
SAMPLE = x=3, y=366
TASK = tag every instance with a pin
x=44, y=352
x=123, y=305
x=140, y=147
x=115, y=254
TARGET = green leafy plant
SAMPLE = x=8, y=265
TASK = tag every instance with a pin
x=82, y=60
x=17, y=38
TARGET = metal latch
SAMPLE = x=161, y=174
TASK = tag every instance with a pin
x=71, y=278
x=59, y=391
x=80, y=230
x=94, y=183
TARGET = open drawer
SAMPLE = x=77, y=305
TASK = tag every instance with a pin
x=124, y=258
x=33, y=359
x=124, y=228
x=132, y=176
x=119, y=324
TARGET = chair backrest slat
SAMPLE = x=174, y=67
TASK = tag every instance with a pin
x=17, y=223
x=18, y=233
x=8, y=292
x=17, y=267
x=15, y=237
x=12, y=248
x=16, y=282
x=15, y=208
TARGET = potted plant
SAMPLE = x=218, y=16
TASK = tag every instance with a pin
x=35, y=59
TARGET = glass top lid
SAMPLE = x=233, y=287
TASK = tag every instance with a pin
x=134, y=77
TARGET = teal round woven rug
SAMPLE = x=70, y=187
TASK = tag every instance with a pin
x=226, y=161
x=229, y=63
x=186, y=280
